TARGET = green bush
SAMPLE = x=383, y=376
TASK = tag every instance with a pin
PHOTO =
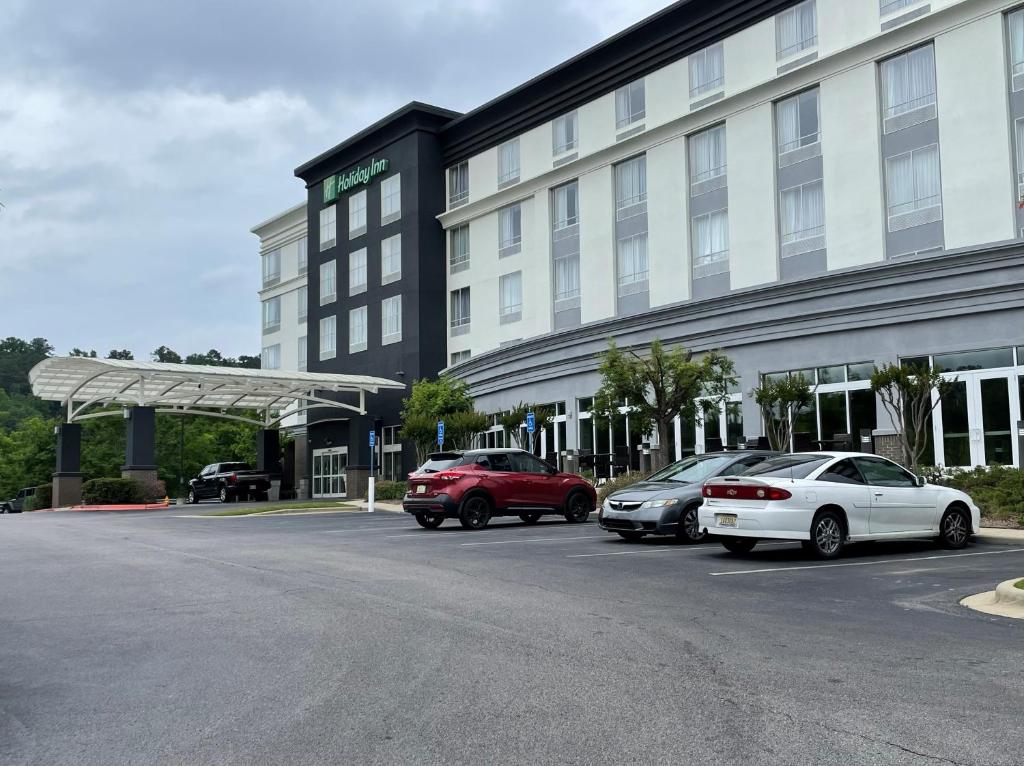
x=43, y=498
x=997, y=490
x=113, y=492
x=390, y=490
x=614, y=485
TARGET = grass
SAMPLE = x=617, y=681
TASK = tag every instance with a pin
x=997, y=490
x=277, y=507
x=1019, y=584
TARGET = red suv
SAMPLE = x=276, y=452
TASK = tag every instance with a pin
x=475, y=485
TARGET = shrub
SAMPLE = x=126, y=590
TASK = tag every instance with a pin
x=614, y=485
x=390, y=490
x=113, y=492
x=997, y=490
x=43, y=498
x=154, y=491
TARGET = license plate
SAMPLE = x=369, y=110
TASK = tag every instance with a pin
x=421, y=489
x=726, y=519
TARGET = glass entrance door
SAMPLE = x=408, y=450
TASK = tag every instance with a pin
x=329, y=469
x=974, y=423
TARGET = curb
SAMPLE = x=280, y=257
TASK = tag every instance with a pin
x=1008, y=593
x=1006, y=600
x=1001, y=533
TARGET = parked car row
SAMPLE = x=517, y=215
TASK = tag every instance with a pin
x=821, y=499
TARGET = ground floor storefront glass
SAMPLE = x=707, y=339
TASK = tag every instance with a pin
x=329, y=469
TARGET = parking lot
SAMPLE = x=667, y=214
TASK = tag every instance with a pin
x=328, y=638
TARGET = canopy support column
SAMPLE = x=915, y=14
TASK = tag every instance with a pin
x=140, y=445
x=67, y=479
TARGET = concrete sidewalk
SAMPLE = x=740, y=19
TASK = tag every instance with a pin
x=1001, y=534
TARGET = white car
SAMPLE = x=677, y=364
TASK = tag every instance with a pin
x=827, y=499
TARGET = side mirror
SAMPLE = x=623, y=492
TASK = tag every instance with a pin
x=919, y=481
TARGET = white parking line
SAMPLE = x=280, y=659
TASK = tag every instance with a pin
x=622, y=553
x=863, y=563
x=535, y=540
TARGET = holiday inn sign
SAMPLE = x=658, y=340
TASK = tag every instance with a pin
x=342, y=182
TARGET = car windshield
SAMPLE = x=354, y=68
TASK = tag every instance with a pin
x=440, y=462
x=692, y=469
x=788, y=466
x=234, y=467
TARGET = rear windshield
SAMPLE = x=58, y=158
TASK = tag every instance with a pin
x=437, y=463
x=693, y=469
x=788, y=466
x=234, y=467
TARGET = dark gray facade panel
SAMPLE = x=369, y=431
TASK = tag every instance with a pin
x=914, y=137
x=906, y=17
x=797, y=63
x=567, y=319
x=710, y=202
x=630, y=133
x=637, y=303
x=628, y=227
x=706, y=101
x=565, y=160
x=914, y=240
x=565, y=245
x=800, y=173
x=714, y=286
x=804, y=265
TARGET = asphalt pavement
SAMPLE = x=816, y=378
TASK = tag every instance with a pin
x=349, y=638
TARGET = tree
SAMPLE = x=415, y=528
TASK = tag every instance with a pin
x=164, y=354
x=512, y=421
x=661, y=386
x=421, y=430
x=17, y=357
x=909, y=394
x=122, y=354
x=430, y=401
x=76, y=351
x=461, y=427
x=249, y=362
x=780, y=400
x=212, y=357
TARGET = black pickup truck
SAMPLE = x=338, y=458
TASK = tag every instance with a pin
x=229, y=482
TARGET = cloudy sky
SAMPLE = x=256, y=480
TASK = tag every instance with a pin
x=140, y=140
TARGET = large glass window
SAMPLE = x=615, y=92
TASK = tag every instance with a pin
x=707, y=70
x=460, y=316
x=458, y=184
x=302, y=299
x=508, y=162
x=796, y=29
x=391, y=259
x=630, y=183
x=328, y=227
x=391, y=320
x=964, y=361
x=912, y=181
x=632, y=260
x=567, y=277
x=566, y=205
x=797, y=121
x=802, y=212
x=328, y=337
x=391, y=198
x=564, y=133
x=710, y=240
x=272, y=314
x=510, y=295
x=908, y=81
x=630, y=104
x=459, y=256
x=510, y=229
x=357, y=330
x=357, y=214
x=1016, y=23
x=886, y=7
x=270, y=359
x=271, y=268
x=303, y=246
x=328, y=282
x=303, y=354
x=707, y=154
x=357, y=272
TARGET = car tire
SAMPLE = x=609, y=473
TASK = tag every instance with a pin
x=429, y=520
x=475, y=512
x=827, y=535
x=955, y=529
x=688, y=529
x=577, y=507
x=192, y=499
x=631, y=537
x=530, y=518
x=739, y=544
x=224, y=496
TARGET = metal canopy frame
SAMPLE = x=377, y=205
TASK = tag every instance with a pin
x=80, y=383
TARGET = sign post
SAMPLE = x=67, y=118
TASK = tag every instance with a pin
x=371, y=488
x=440, y=434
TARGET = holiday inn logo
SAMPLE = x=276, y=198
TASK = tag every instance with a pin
x=342, y=182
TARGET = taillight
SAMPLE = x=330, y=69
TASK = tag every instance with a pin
x=448, y=476
x=233, y=478
x=745, y=492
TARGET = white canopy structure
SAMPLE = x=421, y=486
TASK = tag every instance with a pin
x=79, y=383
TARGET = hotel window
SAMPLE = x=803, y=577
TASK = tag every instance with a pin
x=328, y=227
x=630, y=104
x=459, y=257
x=303, y=354
x=357, y=330
x=508, y=163
x=566, y=205
x=303, y=255
x=797, y=123
x=270, y=359
x=631, y=187
x=510, y=297
x=908, y=88
x=357, y=272
x=302, y=298
x=458, y=184
x=1019, y=131
x=707, y=155
x=510, y=230
x=564, y=133
x=796, y=29
x=271, y=268
x=567, y=277
x=711, y=244
x=632, y=264
x=460, y=309
x=707, y=70
x=391, y=199
x=328, y=282
x=1016, y=23
x=886, y=7
x=391, y=259
x=328, y=338
x=802, y=211
x=913, y=188
x=272, y=315
x=391, y=320
x=459, y=356
x=357, y=214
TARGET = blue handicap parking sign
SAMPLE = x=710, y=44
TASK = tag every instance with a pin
x=440, y=433
x=531, y=422
x=373, y=438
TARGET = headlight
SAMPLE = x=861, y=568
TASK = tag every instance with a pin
x=659, y=503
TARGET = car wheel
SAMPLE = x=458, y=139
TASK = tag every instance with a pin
x=577, y=508
x=475, y=512
x=954, y=529
x=530, y=518
x=826, y=535
x=688, y=530
x=5, y=510
x=739, y=544
x=429, y=520
x=224, y=496
x=192, y=497
x=632, y=537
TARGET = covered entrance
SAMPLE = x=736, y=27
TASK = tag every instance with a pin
x=330, y=467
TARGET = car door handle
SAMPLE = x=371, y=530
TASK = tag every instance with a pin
x=879, y=494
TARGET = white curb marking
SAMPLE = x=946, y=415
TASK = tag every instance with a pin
x=863, y=563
